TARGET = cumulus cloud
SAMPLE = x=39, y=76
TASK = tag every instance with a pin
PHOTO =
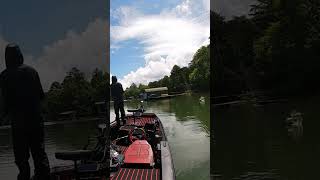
x=169, y=38
x=3, y=44
x=86, y=51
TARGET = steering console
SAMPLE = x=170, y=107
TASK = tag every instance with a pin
x=137, y=134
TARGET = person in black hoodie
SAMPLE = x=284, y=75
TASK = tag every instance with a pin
x=22, y=95
x=117, y=97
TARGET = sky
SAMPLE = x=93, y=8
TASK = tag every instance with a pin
x=149, y=37
x=56, y=35
x=231, y=8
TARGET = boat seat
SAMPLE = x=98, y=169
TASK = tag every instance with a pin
x=74, y=155
x=135, y=110
x=150, y=127
x=102, y=128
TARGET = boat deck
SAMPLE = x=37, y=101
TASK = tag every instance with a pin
x=142, y=173
x=139, y=174
x=140, y=121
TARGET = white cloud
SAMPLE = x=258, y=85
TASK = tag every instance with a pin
x=3, y=44
x=183, y=8
x=86, y=51
x=206, y=4
x=168, y=38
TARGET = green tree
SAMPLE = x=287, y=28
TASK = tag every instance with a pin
x=99, y=83
x=200, y=69
x=77, y=92
x=132, y=91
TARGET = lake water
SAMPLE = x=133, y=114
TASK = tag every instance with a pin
x=185, y=119
x=252, y=142
x=60, y=136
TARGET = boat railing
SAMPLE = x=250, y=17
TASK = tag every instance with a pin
x=166, y=161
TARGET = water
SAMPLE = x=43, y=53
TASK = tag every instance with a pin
x=60, y=136
x=252, y=142
x=185, y=119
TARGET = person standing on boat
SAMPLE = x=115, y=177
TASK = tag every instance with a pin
x=22, y=95
x=117, y=97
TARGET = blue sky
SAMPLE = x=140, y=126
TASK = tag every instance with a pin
x=52, y=34
x=130, y=57
x=148, y=37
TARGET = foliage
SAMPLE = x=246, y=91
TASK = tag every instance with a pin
x=199, y=76
x=77, y=93
x=275, y=48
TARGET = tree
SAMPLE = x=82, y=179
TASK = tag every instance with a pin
x=179, y=79
x=200, y=69
x=132, y=91
x=277, y=48
x=99, y=84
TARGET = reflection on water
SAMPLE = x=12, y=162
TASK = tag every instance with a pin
x=258, y=143
x=187, y=122
x=185, y=119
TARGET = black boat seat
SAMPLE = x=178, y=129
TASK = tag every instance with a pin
x=74, y=155
x=150, y=127
x=135, y=110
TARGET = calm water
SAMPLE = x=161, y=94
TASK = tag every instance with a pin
x=252, y=142
x=185, y=119
x=66, y=136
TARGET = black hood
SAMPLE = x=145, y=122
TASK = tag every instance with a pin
x=13, y=55
x=114, y=79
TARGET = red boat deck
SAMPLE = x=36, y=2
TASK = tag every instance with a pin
x=137, y=174
x=139, y=121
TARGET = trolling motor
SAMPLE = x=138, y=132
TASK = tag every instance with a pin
x=137, y=112
x=141, y=107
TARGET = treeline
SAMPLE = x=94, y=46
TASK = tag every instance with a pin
x=77, y=93
x=275, y=48
x=195, y=77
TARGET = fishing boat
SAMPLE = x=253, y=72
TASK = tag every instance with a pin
x=136, y=149
x=144, y=151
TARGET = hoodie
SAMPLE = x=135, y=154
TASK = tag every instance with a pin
x=20, y=86
x=116, y=90
x=13, y=56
